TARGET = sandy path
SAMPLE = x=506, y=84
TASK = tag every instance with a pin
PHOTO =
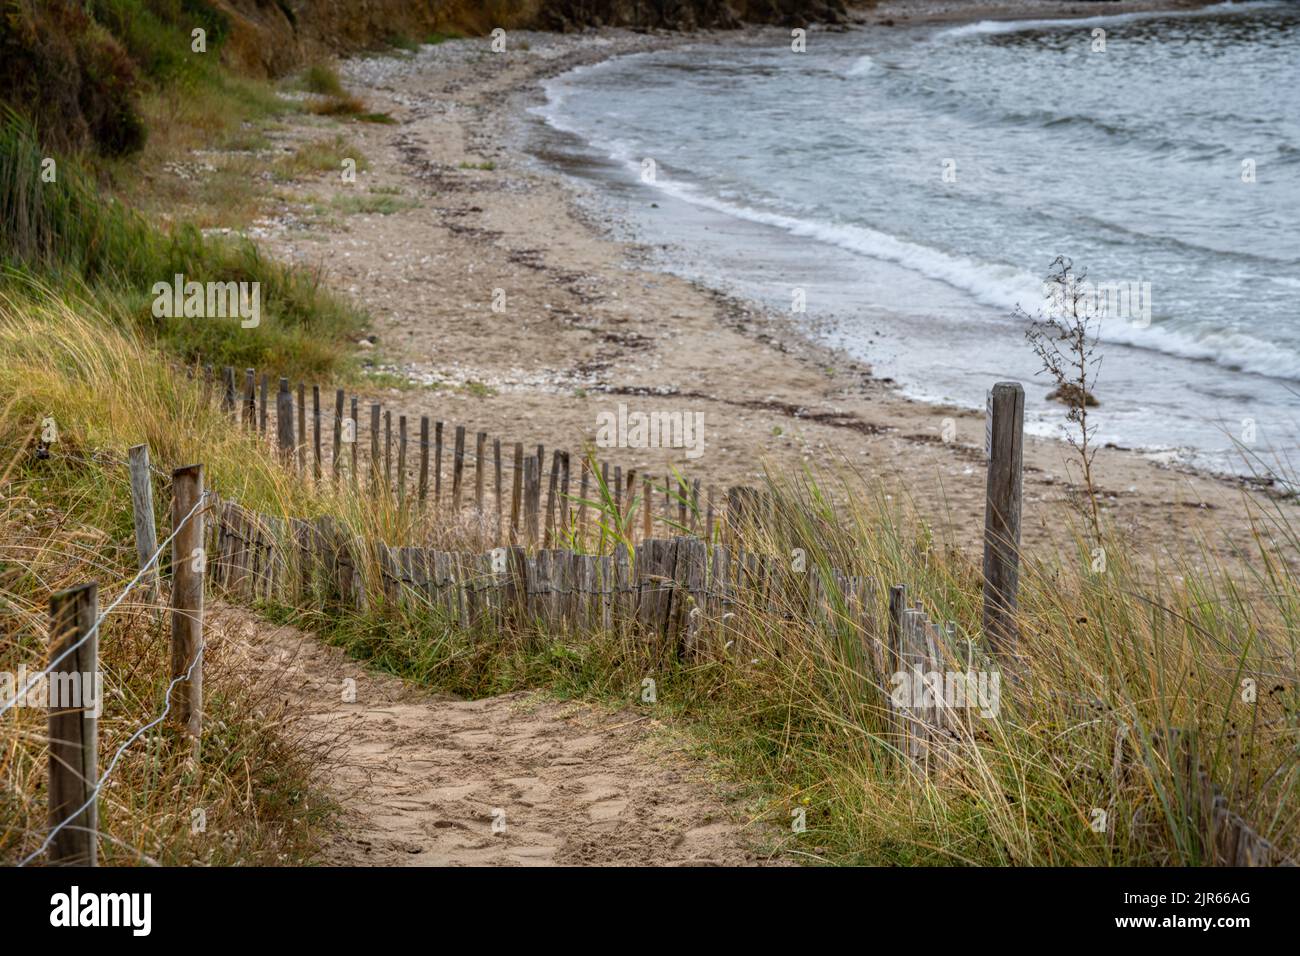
x=519, y=779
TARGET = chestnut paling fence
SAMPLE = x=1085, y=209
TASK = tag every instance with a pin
x=695, y=592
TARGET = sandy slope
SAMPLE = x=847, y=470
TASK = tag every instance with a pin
x=424, y=779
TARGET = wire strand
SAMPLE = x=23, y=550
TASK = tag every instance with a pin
x=94, y=629
x=94, y=793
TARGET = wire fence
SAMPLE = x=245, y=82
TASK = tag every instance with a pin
x=93, y=632
x=74, y=784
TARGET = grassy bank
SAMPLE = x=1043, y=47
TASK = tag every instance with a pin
x=65, y=518
x=66, y=234
x=87, y=230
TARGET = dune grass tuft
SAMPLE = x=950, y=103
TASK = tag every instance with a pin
x=65, y=232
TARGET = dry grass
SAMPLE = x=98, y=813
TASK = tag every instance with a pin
x=339, y=106
x=1117, y=669
x=65, y=519
x=325, y=155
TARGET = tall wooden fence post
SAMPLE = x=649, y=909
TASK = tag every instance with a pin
x=228, y=401
x=146, y=537
x=897, y=605
x=284, y=421
x=338, y=435
x=73, y=728
x=374, y=449
x=250, y=399
x=187, y=602
x=424, y=460
x=1005, y=436
x=261, y=411
x=315, y=433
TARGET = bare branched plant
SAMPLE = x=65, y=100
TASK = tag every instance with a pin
x=1064, y=336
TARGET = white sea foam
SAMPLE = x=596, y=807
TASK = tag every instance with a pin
x=985, y=27
x=995, y=284
x=863, y=64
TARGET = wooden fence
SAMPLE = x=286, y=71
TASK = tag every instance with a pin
x=692, y=597
x=510, y=492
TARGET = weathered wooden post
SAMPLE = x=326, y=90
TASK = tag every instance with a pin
x=897, y=605
x=496, y=462
x=356, y=440
x=74, y=728
x=250, y=399
x=261, y=411
x=458, y=469
x=1004, y=439
x=401, y=463
x=284, y=421
x=388, y=451
x=300, y=449
x=424, y=460
x=375, y=464
x=146, y=538
x=532, y=483
x=338, y=435
x=564, y=492
x=550, y=499
x=188, y=562
x=437, y=464
x=514, y=596
x=315, y=433
x=516, y=492
x=480, y=469
x=228, y=392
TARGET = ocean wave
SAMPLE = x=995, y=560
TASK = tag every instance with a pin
x=998, y=285
x=990, y=27
x=863, y=64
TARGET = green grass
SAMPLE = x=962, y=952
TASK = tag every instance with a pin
x=325, y=155
x=377, y=378
x=157, y=35
x=247, y=139
x=487, y=166
x=353, y=204
x=402, y=41
x=323, y=79
x=69, y=235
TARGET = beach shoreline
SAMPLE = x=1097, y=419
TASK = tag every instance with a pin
x=589, y=323
x=955, y=11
